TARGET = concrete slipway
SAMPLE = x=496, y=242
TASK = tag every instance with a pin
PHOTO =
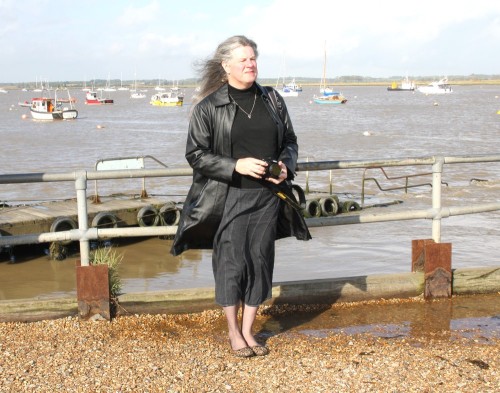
x=326, y=291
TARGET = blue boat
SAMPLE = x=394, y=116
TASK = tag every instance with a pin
x=331, y=98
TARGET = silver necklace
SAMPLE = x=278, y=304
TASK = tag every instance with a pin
x=244, y=111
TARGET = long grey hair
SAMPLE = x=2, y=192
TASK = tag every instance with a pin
x=212, y=73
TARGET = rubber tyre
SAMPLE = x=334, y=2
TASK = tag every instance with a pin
x=148, y=216
x=312, y=209
x=104, y=220
x=63, y=224
x=169, y=214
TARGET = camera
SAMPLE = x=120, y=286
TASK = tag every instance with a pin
x=273, y=169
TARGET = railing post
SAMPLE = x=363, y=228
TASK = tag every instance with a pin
x=81, y=200
x=437, y=171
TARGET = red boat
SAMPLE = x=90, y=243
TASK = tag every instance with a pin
x=92, y=99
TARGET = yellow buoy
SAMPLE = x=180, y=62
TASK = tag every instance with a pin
x=498, y=112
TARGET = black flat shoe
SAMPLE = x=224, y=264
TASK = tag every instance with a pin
x=260, y=350
x=245, y=352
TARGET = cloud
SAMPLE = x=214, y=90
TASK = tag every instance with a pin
x=133, y=16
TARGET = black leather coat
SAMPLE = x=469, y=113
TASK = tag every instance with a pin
x=208, y=152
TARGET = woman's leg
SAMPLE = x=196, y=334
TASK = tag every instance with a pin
x=248, y=319
x=236, y=339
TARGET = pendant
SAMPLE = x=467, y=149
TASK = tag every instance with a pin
x=249, y=116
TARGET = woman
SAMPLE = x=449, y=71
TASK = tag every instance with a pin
x=235, y=124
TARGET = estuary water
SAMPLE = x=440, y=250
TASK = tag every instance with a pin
x=374, y=124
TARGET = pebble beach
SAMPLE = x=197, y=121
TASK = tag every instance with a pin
x=190, y=353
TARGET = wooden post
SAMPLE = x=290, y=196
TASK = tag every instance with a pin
x=92, y=290
x=434, y=260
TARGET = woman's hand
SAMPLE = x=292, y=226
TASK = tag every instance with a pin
x=251, y=167
x=257, y=168
x=283, y=175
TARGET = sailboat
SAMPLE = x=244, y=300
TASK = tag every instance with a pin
x=134, y=93
x=328, y=96
x=286, y=90
x=108, y=85
x=122, y=88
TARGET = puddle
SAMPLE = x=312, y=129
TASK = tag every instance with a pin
x=475, y=318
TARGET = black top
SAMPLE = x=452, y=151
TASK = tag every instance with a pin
x=255, y=136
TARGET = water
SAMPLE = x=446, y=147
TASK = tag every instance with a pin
x=374, y=124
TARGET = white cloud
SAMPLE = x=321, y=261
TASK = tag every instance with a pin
x=133, y=16
x=363, y=37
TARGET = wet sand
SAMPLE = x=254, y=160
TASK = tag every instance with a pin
x=401, y=346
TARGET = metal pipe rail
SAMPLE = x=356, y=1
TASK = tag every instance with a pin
x=83, y=234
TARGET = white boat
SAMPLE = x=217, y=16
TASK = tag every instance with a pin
x=293, y=86
x=45, y=108
x=287, y=92
x=3, y=91
x=122, y=88
x=288, y=89
x=440, y=87
x=159, y=87
x=108, y=86
x=136, y=95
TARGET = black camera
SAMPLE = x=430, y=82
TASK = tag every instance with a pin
x=273, y=169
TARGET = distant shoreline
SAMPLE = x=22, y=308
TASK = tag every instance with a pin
x=77, y=85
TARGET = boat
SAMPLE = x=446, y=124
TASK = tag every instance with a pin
x=159, y=87
x=122, y=88
x=169, y=98
x=331, y=98
x=293, y=86
x=108, y=86
x=405, y=85
x=288, y=89
x=440, y=87
x=287, y=92
x=3, y=91
x=91, y=98
x=328, y=95
x=46, y=108
x=136, y=94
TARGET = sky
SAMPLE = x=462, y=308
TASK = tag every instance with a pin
x=76, y=40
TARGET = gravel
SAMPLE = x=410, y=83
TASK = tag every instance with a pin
x=190, y=353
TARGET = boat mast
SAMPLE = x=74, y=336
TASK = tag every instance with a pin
x=323, y=80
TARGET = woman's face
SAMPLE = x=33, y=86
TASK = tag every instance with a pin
x=241, y=69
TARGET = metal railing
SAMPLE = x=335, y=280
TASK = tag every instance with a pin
x=84, y=234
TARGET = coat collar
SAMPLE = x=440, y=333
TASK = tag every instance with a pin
x=221, y=96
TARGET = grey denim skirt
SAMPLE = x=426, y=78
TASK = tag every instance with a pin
x=243, y=253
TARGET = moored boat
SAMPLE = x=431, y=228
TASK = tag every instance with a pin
x=440, y=87
x=137, y=95
x=170, y=98
x=287, y=92
x=405, y=85
x=328, y=95
x=293, y=86
x=46, y=108
x=91, y=98
x=331, y=98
